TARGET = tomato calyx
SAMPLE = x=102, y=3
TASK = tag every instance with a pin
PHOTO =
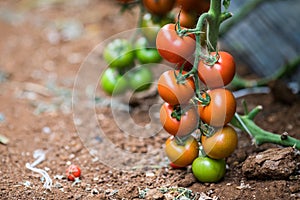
x=203, y=100
x=206, y=129
x=180, y=77
x=181, y=141
x=210, y=60
x=178, y=111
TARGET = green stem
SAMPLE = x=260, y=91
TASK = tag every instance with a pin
x=214, y=20
x=261, y=136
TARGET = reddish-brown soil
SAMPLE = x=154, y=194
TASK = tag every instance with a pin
x=39, y=64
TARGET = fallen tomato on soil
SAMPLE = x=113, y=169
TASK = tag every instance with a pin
x=73, y=172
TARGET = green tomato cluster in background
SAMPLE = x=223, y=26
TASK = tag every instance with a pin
x=123, y=72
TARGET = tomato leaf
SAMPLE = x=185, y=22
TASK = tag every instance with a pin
x=226, y=4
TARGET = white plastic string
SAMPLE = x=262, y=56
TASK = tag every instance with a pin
x=40, y=156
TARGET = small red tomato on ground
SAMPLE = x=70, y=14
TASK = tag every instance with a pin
x=72, y=172
x=221, y=108
x=220, y=73
x=221, y=144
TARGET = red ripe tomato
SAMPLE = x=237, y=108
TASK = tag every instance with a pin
x=159, y=7
x=187, y=124
x=219, y=74
x=72, y=172
x=194, y=5
x=172, y=47
x=186, y=65
x=221, y=144
x=173, y=92
x=221, y=108
x=187, y=19
x=182, y=155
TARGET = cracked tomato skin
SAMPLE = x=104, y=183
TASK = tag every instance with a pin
x=172, y=47
x=172, y=92
x=73, y=172
x=208, y=170
x=187, y=124
x=182, y=155
x=219, y=74
x=221, y=144
x=221, y=108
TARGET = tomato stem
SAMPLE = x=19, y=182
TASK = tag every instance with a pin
x=259, y=135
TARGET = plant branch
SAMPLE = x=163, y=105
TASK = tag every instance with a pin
x=260, y=136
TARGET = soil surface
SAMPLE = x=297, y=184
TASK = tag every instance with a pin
x=43, y=45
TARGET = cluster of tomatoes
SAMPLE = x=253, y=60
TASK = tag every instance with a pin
x=123, y=71
x=187, y=115
x=197, y=120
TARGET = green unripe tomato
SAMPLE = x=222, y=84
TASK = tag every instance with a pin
x=146, y=54
x=140, y=79
x=112, y=82
x=208, y=170
x=119, y=54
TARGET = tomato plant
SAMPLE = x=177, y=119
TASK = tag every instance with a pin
x=119, y=54
x=208, y=170
x=187, y=123
x=174, y=92
x=73, y=172
x=146, y=54
x=159, y=7
x=112, y=82
x=140, y=79
x=173, y=47
x=220, y=73
x=221, y=144
x=182, y=153
x=221, y=108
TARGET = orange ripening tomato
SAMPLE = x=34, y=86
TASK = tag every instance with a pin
x=221, y=144
x=173, y=92
x=221, y=108
x=187, y=124
x=182, y=155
